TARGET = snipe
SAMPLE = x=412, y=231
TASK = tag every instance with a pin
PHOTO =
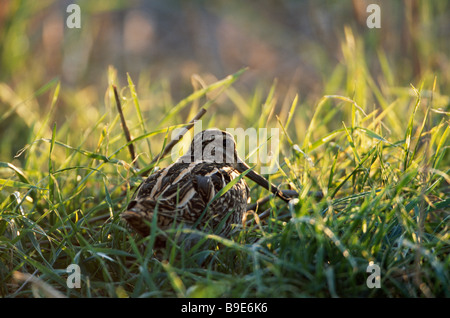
x=181, y=192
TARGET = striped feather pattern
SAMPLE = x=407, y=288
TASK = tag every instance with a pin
x=181, y=192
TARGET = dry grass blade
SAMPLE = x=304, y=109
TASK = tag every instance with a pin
x=42, y=286
x=125, y=127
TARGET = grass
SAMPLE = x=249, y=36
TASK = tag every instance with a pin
x=384, y=172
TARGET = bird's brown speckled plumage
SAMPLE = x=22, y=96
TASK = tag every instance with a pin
x=181, y=192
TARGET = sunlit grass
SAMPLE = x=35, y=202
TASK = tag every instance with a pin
x=378, y=153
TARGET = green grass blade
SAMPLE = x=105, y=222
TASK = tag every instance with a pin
x=409, y=130
x=138, y=111
x=222, y=84
x=50, y=166
x=18, y=184
x=20, y=174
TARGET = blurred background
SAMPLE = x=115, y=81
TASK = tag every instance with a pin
x=161, y=44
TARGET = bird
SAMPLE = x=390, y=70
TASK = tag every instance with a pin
x=187, y=192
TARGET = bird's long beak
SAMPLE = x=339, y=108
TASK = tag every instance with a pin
x=260, y=180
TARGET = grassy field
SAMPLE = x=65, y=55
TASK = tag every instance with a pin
x=377, y=151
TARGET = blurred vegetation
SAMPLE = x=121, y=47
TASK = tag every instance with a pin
x=161, y=44
x=364, y=114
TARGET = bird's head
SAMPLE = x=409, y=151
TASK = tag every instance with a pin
x=218, y=146
x=212, y=145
